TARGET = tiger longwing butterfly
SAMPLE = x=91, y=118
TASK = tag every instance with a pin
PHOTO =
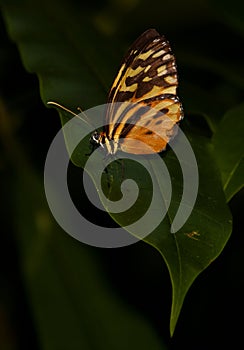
x=147, y=78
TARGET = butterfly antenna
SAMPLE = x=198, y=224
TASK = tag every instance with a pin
x=84, y=114
x=86, y=117
x=60, y=106
x=69, y=111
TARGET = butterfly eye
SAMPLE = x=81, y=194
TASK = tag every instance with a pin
x=96, y=139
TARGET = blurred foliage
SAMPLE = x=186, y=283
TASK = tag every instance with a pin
x=55, y=292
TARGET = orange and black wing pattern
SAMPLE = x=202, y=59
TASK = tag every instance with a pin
x=147, y=81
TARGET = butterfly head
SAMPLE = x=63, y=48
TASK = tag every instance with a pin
x=96, y=139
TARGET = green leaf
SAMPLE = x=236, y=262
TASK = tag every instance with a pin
x=199, y=242
x=70, y=70
x=202, y=238
x=228, y=149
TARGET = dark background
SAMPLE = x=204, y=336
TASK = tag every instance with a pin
x=207, y=38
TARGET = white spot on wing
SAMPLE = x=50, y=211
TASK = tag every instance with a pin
x=166, y=57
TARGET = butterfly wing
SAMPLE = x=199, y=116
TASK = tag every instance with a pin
x=147, y=78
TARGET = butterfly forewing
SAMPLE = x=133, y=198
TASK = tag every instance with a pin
x=147, y=77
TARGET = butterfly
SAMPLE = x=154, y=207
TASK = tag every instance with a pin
x=147, y=78
x=143, y=98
